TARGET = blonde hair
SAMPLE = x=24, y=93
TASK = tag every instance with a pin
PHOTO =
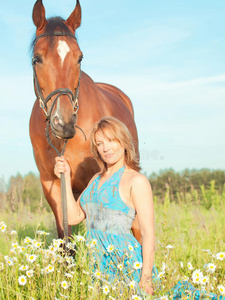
x=113, y=128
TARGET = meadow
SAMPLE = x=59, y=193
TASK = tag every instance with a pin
x=190, y=247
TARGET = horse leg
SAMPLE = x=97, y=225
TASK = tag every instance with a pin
x=136, y=230
x=52, y=191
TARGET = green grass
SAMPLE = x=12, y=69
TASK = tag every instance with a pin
x=188, y=227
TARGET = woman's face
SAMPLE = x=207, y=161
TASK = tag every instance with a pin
x=110, y=150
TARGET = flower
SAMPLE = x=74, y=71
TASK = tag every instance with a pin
x=80, y=238
x=41, y=232
x=197, y=273
x=23, y=268
x=3, y=226
x=31, y=258
x=131, y=248
x=161, y=274
x=22, y=280
x=210, y=268
x=49, y=269
x=181, y=264
x=164, y=297
x=207, y=250
x=220, y=255
x=197, y=276
x=110, y=248
x=137, y=265
x=189, y=265
x=185, y=278
x=136, y=297
x=9, y=261
x=132, y=284
x=196, y=279
x=13, y=232
x=221, y=289
x=15, y=245
x=27, y=240
x=164, y=266
x=94, y=242
x=120, y=267
x=1, y=266
x=29, y=273
x=169, y=247
x=38, y=244
x=68, y=275
x=105, y=289
x=204, y=280
x=85, y=272
x=64, y=284
x=97, y=274
x=64, y=296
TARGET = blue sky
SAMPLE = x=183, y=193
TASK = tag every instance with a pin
x=167, y=56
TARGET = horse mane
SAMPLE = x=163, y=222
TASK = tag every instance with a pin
x=54, y=24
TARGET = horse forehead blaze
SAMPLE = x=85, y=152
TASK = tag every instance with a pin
x=62, y=50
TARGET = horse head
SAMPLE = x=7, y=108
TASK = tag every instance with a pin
x=56, y=65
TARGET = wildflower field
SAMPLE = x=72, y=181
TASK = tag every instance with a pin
x=190, y=247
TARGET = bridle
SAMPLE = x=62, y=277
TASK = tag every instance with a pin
x=61, y=91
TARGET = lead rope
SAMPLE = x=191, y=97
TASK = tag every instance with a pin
x=63, y=188
x=63, y=184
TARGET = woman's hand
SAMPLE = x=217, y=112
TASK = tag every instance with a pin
x=146, y=285
x=61, y=166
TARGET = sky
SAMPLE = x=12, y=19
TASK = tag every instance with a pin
x=167, y=56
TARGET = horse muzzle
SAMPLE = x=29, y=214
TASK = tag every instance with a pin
x=61, y=129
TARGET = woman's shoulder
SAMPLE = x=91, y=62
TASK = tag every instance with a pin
x=136, y=178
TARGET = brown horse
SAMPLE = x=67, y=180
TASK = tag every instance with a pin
x=57, y=81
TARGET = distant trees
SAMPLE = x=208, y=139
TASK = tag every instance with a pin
x=25, y=192
x=179, y=184
x=189, y=185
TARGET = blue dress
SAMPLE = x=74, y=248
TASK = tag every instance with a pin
x=117, y=253
x=109, y=221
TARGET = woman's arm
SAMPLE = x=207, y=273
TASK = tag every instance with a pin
x=74, y=211
x=143, y=202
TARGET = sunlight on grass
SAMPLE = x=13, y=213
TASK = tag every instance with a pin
x=190, y=248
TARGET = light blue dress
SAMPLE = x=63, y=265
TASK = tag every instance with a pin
x=109, y=221
x=117, y=253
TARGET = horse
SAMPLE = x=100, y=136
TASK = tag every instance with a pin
x=68, y=99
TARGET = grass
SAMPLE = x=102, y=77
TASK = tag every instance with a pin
x=184, y=231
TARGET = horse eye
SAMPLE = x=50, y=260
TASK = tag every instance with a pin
x=37, y=59
x=80, y=59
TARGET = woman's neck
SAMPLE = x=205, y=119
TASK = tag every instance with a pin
x=114, y=167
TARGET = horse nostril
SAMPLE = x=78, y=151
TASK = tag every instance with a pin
x=56, y=120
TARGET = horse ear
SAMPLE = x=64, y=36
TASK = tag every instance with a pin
x=39, y=15
x=74, y=19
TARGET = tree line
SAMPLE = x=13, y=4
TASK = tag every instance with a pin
x=191, y=185
x=179, y=186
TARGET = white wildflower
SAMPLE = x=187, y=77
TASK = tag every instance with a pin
x=221, y=289
x=64, y=284
x=105, y=289
x=137, y=265
x=110, y=248
x=189, y=265
x=22, y=280
x=220, y=255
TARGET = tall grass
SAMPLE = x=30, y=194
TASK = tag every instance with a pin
x=190, y=236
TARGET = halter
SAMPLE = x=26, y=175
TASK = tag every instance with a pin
x=61, y=91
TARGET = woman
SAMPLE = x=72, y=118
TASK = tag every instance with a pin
x=110, y=202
